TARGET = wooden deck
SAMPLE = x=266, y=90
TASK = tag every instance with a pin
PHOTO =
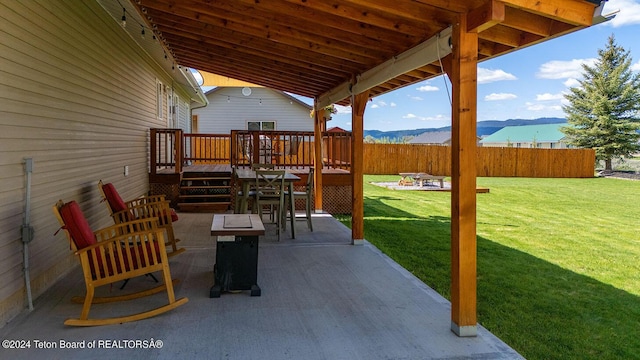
x=210, y=188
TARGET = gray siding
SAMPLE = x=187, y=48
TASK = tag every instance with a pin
x=229, y=110
x=78, y=96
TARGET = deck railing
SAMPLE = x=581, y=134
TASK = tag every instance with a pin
x=282, y=148
x=207, y=148
x=171, y=149
x=166, y=151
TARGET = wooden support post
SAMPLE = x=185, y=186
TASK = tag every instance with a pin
x=463, y=77
x=358, y=104
x=317, y=150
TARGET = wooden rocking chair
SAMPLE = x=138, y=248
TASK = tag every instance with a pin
x=140, y=208
x=113, y=254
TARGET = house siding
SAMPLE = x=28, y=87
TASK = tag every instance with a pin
x=78, y=96
x=229, y=110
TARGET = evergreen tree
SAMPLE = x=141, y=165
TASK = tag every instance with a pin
x=604, y=110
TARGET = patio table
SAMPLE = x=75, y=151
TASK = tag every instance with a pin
x=247, y=177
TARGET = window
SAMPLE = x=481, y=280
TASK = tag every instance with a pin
x=261, y=125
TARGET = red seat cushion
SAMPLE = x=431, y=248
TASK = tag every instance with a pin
x=115, y=201
x=77, y=225
x=79, y=230
x=174, y=215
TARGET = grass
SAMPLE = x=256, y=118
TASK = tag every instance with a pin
x=558, y=259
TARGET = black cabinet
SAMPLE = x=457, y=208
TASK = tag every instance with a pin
x=236, y=265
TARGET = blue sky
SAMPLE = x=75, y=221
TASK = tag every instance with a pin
x=526, y=84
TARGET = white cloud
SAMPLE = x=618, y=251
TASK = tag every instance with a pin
x=393, y=104
x=375, y=106
x=629, y=12
x=382, y=103
x=500, y=96
x=549, y=97
x=558, y=69
x=541, y=107
x=636, y=66
x=343, y=109
x=427, y=88
x=438, y=117
x=486, y=76
x=416, y=98
x=571, y=82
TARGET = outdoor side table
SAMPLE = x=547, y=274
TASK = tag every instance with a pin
x=236, y=266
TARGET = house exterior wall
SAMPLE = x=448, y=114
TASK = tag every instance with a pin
x=78, y=96
x=229, y=110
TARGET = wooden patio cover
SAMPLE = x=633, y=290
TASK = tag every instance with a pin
x=347, y=51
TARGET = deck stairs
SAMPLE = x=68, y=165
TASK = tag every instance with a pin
x=205, y=192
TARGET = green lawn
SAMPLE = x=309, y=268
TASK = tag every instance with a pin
x=558, y=259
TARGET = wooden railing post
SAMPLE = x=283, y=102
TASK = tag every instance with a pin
x=178, y=151
x=153, y=153
x=317, y=151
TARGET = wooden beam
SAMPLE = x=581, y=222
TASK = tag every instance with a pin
x=358, y=104
x=489, y=14
x=366, y=14
x=223, y=32
x=317, y=143
x=408, y=10
x=464, y=81
x=508, y=36
x=574, y=12
x=526, y=21
x=388, y=71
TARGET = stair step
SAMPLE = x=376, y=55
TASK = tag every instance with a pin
x=204, y=207
x=206, y=178
x=192, y=187
x=217, y=196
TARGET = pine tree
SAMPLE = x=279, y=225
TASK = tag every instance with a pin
x=604, y=110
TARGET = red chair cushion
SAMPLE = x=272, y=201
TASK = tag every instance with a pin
x=115, y=201
x=80, y=231
x=77, y=225
x=174, y=215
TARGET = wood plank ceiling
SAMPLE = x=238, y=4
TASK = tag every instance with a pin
x=308, y=47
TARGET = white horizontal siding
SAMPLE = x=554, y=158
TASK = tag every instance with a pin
x=78, y=96
x=229, y=110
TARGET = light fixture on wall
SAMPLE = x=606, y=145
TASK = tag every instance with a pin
x=246, y=91
x=124, y=18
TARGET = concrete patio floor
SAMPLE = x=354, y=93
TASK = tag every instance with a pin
x=322, y=298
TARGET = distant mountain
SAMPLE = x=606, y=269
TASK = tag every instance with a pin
x=484, y=128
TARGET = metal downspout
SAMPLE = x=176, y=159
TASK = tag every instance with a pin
x=27, y=230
